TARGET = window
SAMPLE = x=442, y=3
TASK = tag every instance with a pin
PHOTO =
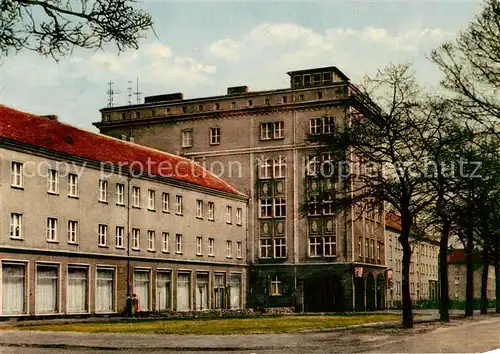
x=279, y=128
x=266, y=131
x=219, y=291
x=202, y=291
x=307, y=80
x=319, y=95
x=315, y=126
x=151, y=200
x=367, y=248
x=279, y=167
x=372, y=242
x=120, y=192
x=313, y=206
x=53, y=181
x=16, y=174
x=52, y=229
x=16, y=223
x=72, y=231
x=184, y=109
x=187, y=138
x=249, y=103
x=266, y=169
x=141, y=288
x=235, y=291
x=73, y=185
x=317, y=78
x=136, y=235
x=314, y=246
x=136, y=197
x=379, y=249
x=103, y=235
x=265, y=248
x=301, y=97
x=217, y=106
x=77, y=290
x=328, y=205
x=120, y=232
x=200, y=108
x=183, y=291
x=239, y=250
x=105, y=290
x=165, y=240
x=239, y=216
x=211, y=246
x=229, y=214
x=360, y=246
x=283, y=99
x=214, y=136
x=313, y=165
x=103, y=190
x=178, y=205
x=199, y=246
x=266, y=101
x=327, y=77
x=275, y=287
x=165, y=202
x=279, y=207
x=266, y=208
x=151, y=240
x=279, y=248
x=211, y=211
x=229, y=249
x=13, y=288
x=163, y=289
x=47, y=289
x=329, y=245
x=199, y=209
x=178, y=243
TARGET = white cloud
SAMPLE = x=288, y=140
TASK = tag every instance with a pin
x=225, y=48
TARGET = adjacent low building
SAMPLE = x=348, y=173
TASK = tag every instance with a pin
x=423, y=265
x=86, y=219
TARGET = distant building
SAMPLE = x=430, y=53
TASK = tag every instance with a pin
x=84, y=221
x=423, y=266
x=257, y=141
x=457, y=276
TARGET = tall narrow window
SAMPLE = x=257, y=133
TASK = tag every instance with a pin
x=372, y=248
x=279, y=207
x=77, y=290
x=187, y=138
x=279, y=167
x=328, y=125
x=219, y=291
x=202, y=294
x=142, y=288
x=266, y=208
x=329, y=244
x=266, y=169
x=16, y=222
x=52, y=229
x=120, y=192
x=211, y=211
x=278, y=130
x=120, y=233
x=239, y=250
x=72, y=231
x=136, y=234
x=52, y=181
x=266, y=248
x=105, y=290
x=183, y=291
x=163, y=289
x=73, y=185
x=229, y=249
x=103, y=235
x=316, y=126
x=136, y=197
x=47, y=289
x=239, y=216
x=103, y=190
x=199, y=209
x=235, y=291
x=229, y=214
x=13, y=288
x=165, y=202
x=16, y=174
x=266, y=131
x=275, y=287
x=165, y=242
x=314, y=246
x=211, y=246
x=279, y=248
x=199, y=246
x=151, y=240
x=178, y=243
x=178, y=205
x=214, y=136
x=151, y=199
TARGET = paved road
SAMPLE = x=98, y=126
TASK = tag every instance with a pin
x=472, y=336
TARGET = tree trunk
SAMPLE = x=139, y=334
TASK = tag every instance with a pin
x=405, y=243
x=469, y=287
x=444, y=296
x=484, y=279
x=496, y=259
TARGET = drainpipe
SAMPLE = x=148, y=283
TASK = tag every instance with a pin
x=129, y=273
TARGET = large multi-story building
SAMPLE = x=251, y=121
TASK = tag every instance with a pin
x=86, y=219
x=258, y=142
x=423, y=265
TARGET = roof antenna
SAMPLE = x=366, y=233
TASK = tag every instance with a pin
x=111, y=94
x=129, y=92
x=137, y=93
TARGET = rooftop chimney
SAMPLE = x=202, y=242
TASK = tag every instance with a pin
x=237, y=90
x=51, y=117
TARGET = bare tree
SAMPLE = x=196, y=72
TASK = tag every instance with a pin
x=55, y=27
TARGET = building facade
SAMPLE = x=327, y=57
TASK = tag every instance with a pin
x=257, y=141
x=423, y=265
x=87, y=219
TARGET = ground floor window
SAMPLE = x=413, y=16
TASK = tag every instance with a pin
x=183, y=291
x=77, y=290
x=202, y=291
x=13, y=288
x=163, y=289
x=105, y=290
x=219, y=291
x=47, y=289
x=141, y=288
x=235, y=291
x=275, y=285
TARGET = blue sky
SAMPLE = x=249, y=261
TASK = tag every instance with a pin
x=204, y=47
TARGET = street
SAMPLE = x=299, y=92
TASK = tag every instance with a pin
x=478, y=335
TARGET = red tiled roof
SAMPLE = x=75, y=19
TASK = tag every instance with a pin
x=393, y=220
x=42, y=132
